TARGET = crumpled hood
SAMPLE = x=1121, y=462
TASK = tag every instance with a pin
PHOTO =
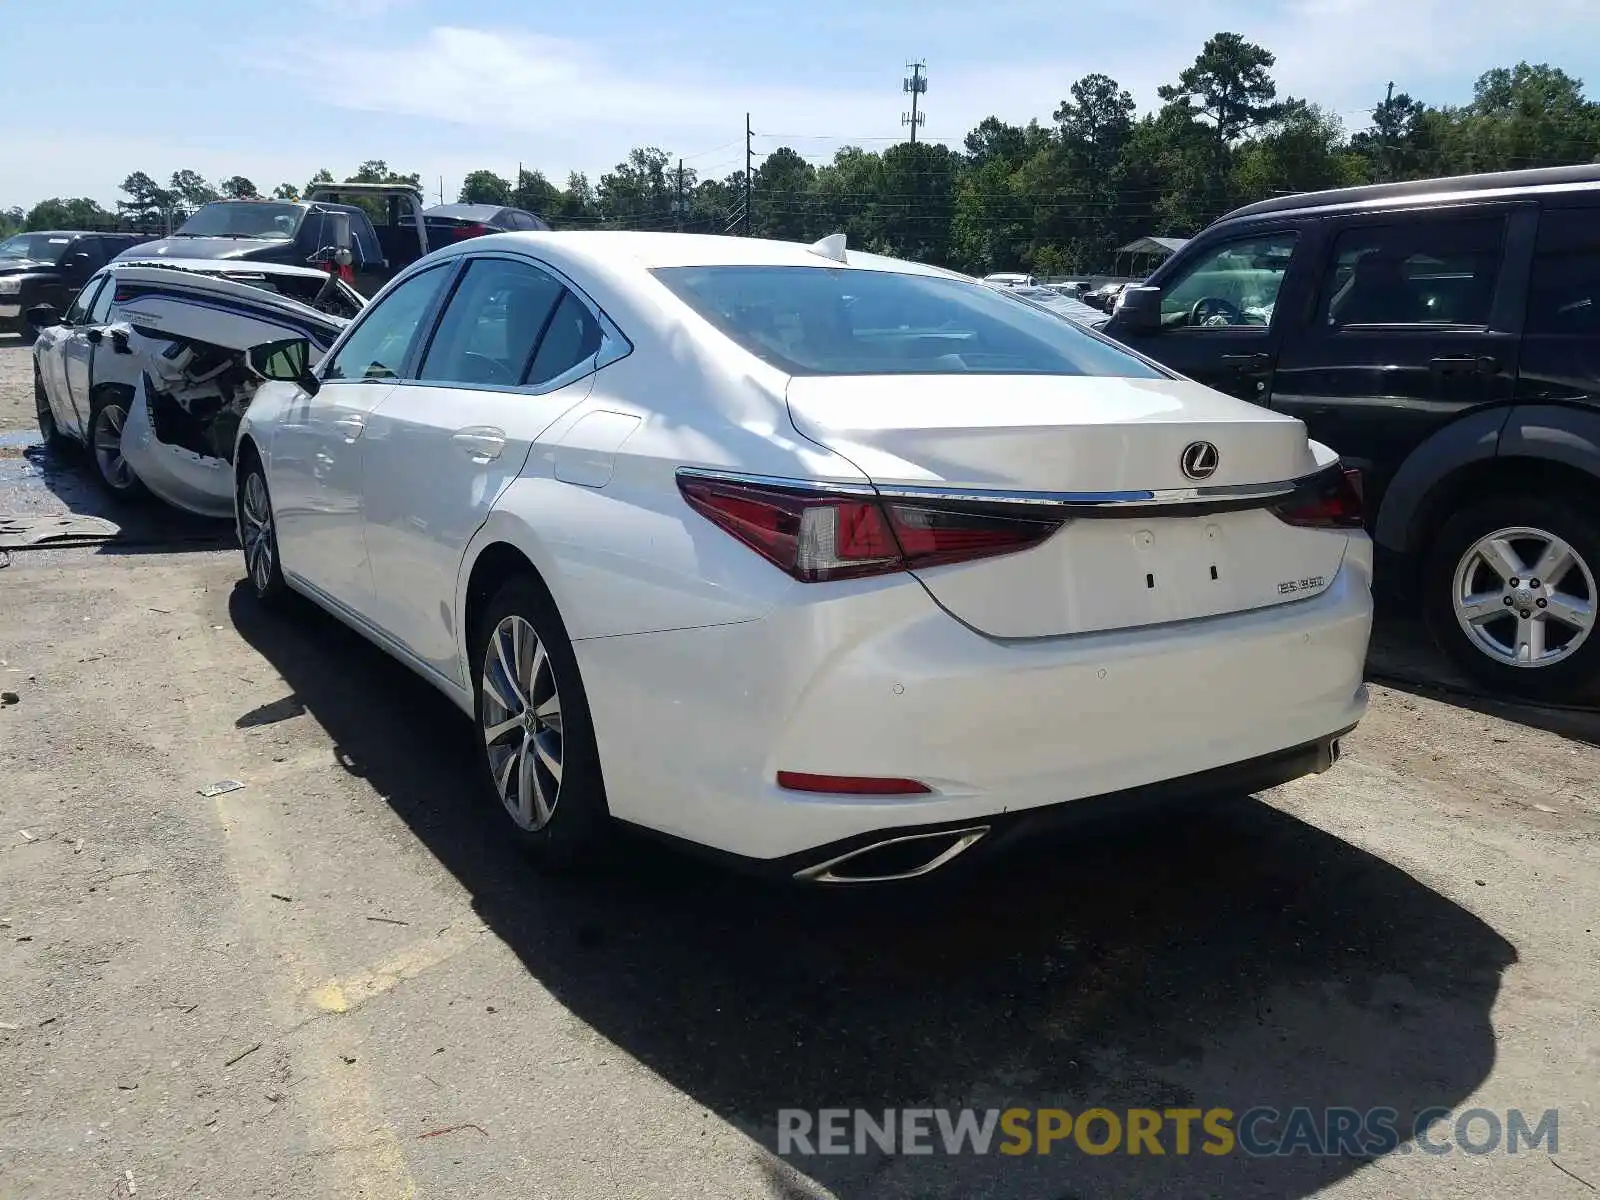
x=212, y=247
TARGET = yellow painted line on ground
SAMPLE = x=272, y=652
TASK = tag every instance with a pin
x=344, y=995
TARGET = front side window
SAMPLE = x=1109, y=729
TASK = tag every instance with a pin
x=491, y=324
x=100, y=310
x=840, y=321
x=1236, y=284
x=78, y=310
x=378, y=345
x=243, y=218
x=1436, y=272
x=1564, y=291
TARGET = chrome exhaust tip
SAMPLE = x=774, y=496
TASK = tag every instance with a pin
x=895, y=858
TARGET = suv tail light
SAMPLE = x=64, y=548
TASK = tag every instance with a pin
x=817, y=534
x=1333, y=501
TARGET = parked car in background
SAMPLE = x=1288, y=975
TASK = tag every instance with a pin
x=145, y=367
x=1444, y=336
x=49, y=267
x=1054, y=301
x=381, y=225
x=1103, y=297
x=1010, y=279
x=914, y=550
x=455, y=222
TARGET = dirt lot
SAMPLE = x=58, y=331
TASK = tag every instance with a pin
x=339, y=980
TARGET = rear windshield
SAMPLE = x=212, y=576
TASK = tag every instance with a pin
x=835, y=321
x=236, y=218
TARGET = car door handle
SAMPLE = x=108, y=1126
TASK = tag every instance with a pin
x=351, y=426
x=481, y=443
x=1481, y=364
x=1248, y=362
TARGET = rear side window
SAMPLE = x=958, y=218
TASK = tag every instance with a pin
x=838, y=321
x=573, y=335
x=1439, y=272
x=378, y=345
x=1564, y=292
x=492, y=323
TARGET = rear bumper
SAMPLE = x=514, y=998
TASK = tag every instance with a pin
x=181, y=478
x=846, y=859
x=694, y=724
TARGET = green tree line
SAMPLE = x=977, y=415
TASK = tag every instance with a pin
x=1049, y=196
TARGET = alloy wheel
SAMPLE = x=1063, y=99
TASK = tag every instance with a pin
x=107, y=441
x=1524, y=597
x=521, y=719
x=256, y=526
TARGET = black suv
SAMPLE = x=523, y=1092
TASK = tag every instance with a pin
x=48, y=267
x=1444, y=337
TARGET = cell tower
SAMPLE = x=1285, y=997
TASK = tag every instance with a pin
x=914, y=85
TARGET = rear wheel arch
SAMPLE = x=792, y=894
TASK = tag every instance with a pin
x=1428, y=473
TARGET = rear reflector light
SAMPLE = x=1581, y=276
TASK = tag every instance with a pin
x=850, y=785
x=1334, y=501
x=816, y=534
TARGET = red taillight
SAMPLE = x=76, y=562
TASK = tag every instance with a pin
x=850, y=785
x=817, y=535
x=471, y=231
x=1334, y=503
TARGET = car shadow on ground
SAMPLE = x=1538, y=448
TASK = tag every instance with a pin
x=1404, y=657
x=1247, y=959
x=38, y=482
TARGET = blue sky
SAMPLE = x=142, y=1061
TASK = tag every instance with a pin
x=275, y=89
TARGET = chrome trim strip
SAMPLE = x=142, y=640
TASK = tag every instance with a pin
x=778, y=481
x=965, y=839
x=1218, y=493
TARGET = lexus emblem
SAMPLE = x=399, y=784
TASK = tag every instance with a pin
x=1199, y=460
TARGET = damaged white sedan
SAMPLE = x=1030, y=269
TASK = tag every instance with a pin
x=147, y=367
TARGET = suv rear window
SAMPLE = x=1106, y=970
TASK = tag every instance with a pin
x=839, y=321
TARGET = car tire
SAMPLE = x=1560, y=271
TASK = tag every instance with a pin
x=258, y=533
x=542, y=774
x=108, y=414
x=1477, y=554
x=49, y=432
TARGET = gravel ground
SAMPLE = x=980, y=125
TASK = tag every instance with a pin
x=16, y=385
x=340, y=980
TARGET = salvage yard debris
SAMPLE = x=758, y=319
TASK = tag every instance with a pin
x=220, y=787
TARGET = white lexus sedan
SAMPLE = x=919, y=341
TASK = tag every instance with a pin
x=832, y=563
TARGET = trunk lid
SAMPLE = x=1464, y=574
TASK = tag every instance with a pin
x=1102, y=439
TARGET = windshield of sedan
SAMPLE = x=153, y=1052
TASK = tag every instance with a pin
x=834, y=321
x=243, y=219
x=36, y=247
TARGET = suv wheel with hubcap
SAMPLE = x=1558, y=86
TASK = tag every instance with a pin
x=1512, y=597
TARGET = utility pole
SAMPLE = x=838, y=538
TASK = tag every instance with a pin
x=749, y=168
x=441, y=189
x=679, y=205
x=915, y=85
x=1389, y=100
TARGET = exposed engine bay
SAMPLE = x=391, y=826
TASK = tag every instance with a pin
x=197, y=395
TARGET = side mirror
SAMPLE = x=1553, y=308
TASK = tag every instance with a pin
x=43, y=316
x=288, y=361
x=1138, y=310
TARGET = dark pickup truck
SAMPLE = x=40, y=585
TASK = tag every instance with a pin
x=48, y=267
x=380, y=224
